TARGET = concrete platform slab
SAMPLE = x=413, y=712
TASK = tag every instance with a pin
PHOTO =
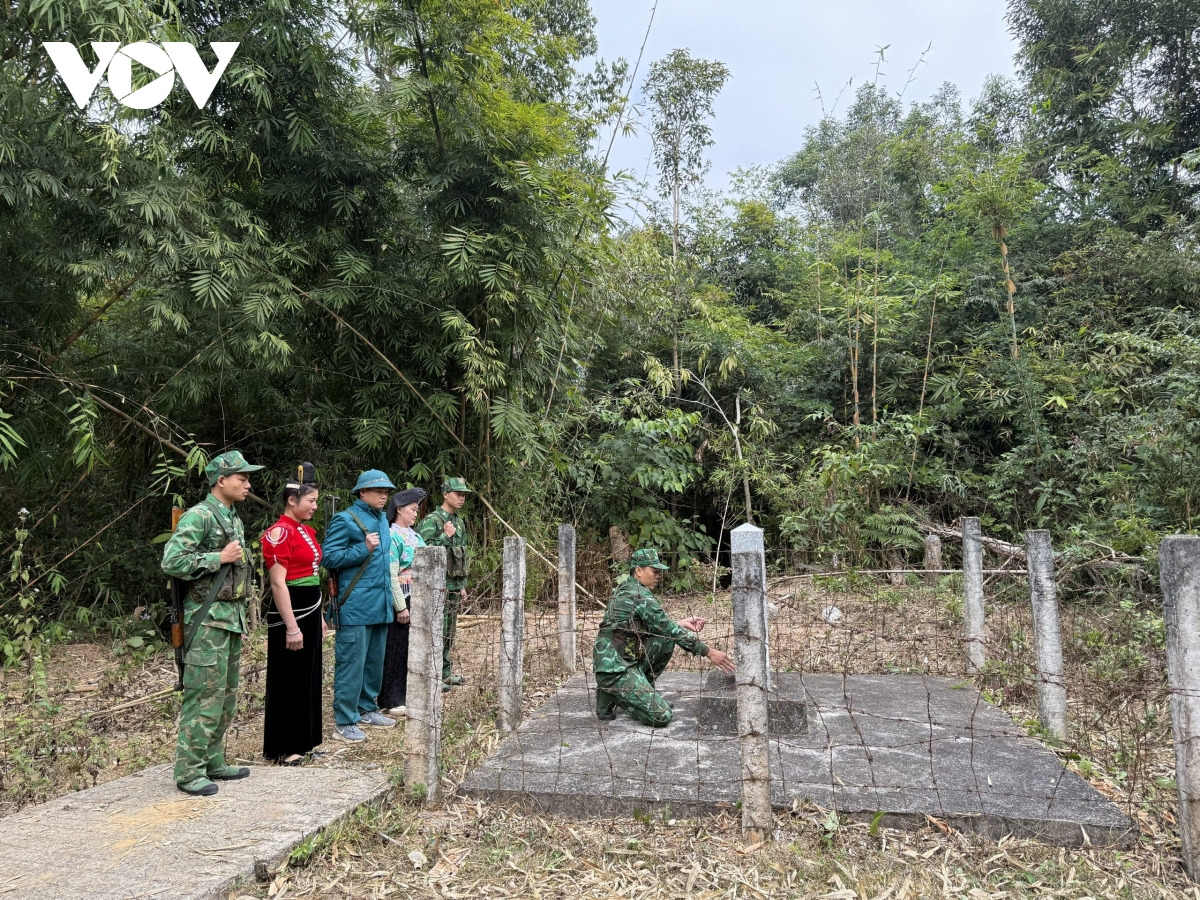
x=716, y=708
x=907, y=746
x=140, y=837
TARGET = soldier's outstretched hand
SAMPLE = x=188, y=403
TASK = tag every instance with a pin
x=722, y=661
x=232, y=552
x=695, y=623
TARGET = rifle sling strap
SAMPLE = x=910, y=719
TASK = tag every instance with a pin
x=205, y=607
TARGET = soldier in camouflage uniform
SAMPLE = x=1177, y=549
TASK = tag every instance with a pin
x=208, y=542
x=444, y=527
x=635, y=643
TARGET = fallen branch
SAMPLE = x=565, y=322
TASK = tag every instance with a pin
x=836, y=572
x=1004, y=548
x=175, y=448
x=132, y=703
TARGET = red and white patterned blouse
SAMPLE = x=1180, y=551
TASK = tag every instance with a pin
x=294, y=546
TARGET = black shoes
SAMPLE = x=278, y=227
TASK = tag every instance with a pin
x=198, y=787
x=230, y=773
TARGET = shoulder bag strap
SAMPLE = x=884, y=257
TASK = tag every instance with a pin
x=345, y=598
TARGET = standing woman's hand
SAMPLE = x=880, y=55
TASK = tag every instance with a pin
x=403, y=617
x=295, y=640
x=324, y=628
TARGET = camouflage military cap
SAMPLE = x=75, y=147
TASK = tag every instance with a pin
x=457, y=485
x=230, y=463
x=647, y=556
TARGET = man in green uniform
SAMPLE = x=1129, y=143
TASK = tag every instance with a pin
x=444, y=527
x=635, y=643
x=208, y=549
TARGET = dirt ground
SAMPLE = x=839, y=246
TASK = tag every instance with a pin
x=82, y=716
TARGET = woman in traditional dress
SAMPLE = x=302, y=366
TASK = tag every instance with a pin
x=295, y=628
x=402, y=512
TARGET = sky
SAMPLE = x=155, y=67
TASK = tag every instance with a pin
x=778, y=51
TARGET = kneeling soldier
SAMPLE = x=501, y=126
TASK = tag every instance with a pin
x=635, y=643
x=209, y=550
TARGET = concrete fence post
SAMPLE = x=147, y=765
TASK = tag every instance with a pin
x=512, y=635
x=566, y=597
x=749, y=539
x=973, y=615
x=423, y=726
x=1047, y=637
x=1179, y=573
x=933, y=558
x=749, y=614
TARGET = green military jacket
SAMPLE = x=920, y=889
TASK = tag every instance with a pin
x=634, y=616
x=194, y=554
x=432, y=534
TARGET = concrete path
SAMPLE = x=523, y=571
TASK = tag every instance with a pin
x=908, y=746
x=139, y=837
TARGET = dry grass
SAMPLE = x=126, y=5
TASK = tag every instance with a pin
x=55, y=740
x=473, y=850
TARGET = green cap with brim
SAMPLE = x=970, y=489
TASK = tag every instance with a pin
x=647, y=557
x=230, y=463
x=457, y=485
x=373, y=478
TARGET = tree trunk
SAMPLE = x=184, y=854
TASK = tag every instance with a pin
x=619, y=545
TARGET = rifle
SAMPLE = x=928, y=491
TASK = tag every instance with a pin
x=178, y=592
x=331, y=585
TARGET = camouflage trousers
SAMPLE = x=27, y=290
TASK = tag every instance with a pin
x=212, y=669
x=449, y=629
x=633, y=690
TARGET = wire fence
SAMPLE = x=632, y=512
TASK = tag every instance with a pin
x=876, y=709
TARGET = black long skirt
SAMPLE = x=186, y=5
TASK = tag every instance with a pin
x=292, y=720
x=395, y=668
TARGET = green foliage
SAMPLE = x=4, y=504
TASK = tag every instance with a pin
x=634, y=467
x=387, y=241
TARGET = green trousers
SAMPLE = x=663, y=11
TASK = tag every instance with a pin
x=449, y=629
x=358, y=671
x=633, y=690
x=212, y=669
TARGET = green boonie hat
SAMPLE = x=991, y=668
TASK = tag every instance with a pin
x=373, y=478
x=457, y=485
x=647, y=556
x=230, y=463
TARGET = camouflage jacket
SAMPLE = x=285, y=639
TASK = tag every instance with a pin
x=432, y=534
x=194, y=554
x=632, y=617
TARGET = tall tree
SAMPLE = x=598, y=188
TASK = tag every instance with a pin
x=1119, y=88
x=681, y=91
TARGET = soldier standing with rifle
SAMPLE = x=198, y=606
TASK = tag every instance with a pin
x=208, y=551
x=444, y=527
